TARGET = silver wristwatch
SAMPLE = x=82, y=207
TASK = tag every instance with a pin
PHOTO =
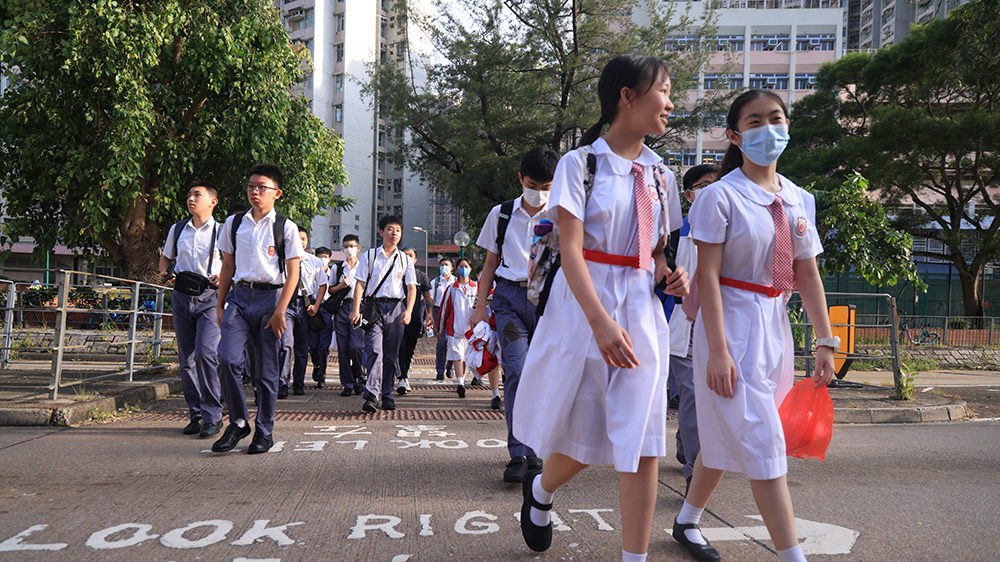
x=833, y=343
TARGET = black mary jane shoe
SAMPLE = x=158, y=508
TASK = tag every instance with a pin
x=537, y=538
x=700, y=552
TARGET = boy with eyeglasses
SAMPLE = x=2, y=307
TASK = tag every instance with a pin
x=262, y=286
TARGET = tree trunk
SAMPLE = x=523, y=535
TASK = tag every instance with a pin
x=971, y=300
x=139, y=244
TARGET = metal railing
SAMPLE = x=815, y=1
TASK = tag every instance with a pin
x=864, y=331
x=114, y=305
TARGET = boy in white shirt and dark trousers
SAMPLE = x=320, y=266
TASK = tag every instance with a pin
x=313, y=282
x=254, y=245
x=386, y=274
x=319, y=342
x=507, y=236
x=350, y=338
x=191, y=249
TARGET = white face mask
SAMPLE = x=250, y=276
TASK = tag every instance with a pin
x=536, y=198
x=351, y=251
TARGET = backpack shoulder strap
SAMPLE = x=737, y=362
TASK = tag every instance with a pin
x=178, y=228
x=237, y=221
x=279, y=241
x=591, y=156
x=506, y=210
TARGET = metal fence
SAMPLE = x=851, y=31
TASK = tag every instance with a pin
x=104, y=303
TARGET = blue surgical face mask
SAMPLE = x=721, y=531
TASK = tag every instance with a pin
x=464, y=271
x=764, y=145
x=445, y=270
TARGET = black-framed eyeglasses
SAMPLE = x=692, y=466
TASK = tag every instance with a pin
x=260, y=188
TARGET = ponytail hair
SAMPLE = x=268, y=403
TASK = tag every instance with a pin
x=624, y=71
x=734, y=156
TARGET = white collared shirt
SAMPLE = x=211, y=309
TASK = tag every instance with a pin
x=312, y=273
x=191, y=253
x=517, y=241
x=257, y=258
x=439, y=287
x=402, y=273
x=350, y=275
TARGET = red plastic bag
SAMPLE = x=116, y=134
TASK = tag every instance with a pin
x=807, y=418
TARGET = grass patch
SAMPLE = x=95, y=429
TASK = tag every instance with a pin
x=105, y=415
x=82, y=394
x=884, y=363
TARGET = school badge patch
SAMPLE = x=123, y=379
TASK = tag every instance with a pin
x=270, y=251
x=801, y=225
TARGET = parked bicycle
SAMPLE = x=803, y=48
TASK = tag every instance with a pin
x=925, y=337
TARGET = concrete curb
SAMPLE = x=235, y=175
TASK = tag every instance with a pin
x=79, y=412
x=917, y=414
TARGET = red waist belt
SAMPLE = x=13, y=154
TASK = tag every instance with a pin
x=753, y=287
x=611, y=259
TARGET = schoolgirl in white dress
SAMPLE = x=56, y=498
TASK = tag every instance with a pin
x=756, y=237
x=456, y=309
x=594, y=382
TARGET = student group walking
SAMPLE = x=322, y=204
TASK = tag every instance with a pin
x=586, y=371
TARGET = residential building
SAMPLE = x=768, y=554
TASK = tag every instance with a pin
x=886, y=22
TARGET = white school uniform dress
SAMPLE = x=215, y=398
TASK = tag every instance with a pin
x=463, y=302
x=569, y=400
x=744, y=433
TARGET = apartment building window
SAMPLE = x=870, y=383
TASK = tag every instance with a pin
x=769, y=43
x=730, y=42
x=723, y=82
x=383, y=56
x=814, y=43
x=805, y=81
x=338, y=113
x=335, y=233
x=340, y=22
x=300, y=18
x=340, y=52
x=383, y=30
x=769, y=81
x=338, y=80
x=381, y=139
x=385, y=5
x=681, y=43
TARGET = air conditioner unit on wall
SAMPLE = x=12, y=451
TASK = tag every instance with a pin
x=296, y=14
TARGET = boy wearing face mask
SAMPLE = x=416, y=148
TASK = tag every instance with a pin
x=350, y=339
x=319, y=343
x=507, y=240
x=438, y=288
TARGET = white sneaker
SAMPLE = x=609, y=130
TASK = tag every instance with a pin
x=403, y=386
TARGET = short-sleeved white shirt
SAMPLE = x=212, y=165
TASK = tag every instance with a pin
x=440, y=286
x=402, y=273
x=513, y=264
x=736, y=212
x=349, y=274
x=191, y=253
x=312, y=273
x=610, y=224
x=256, y=258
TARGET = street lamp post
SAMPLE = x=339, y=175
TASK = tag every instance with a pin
x=427, y=256
x=462, y=239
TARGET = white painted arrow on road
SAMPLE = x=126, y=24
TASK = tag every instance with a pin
x=817, y=538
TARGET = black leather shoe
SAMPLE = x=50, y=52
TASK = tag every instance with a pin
x=193, y=427
x=283, y=391
x=537, y=538
x=514, y=473
x=440, y=377
x=210, y=429
x=388, y=404
x=298, y=391
x=461, y=391
x=230, y=438
x=261, y=443
x=370, y=406
x=496, y=403
x=320, y=384
x=359, y=387
x=348, y=391
x=533, y=463
x=476, y=382
x=700, y=552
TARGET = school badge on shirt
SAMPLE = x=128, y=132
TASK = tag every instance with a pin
x=801, y=225
x=270, y=251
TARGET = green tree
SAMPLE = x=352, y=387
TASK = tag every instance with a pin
x=115, y=105
x=509, y=75
x=921, y=121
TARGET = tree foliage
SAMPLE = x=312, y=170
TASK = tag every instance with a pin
x=115, y=105
x=921, y=121
x=509, y=75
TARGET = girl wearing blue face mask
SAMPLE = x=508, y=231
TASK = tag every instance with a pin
x=453, y=318
x=757, y=241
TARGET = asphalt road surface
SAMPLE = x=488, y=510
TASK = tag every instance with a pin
x=417, y=489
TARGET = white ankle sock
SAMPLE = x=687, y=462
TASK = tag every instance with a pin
x=496, y=394
x=793, y=554
x=691, y=515
x=632, y=557
x=461, y=381
x=538, y=516
x=241, y=423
